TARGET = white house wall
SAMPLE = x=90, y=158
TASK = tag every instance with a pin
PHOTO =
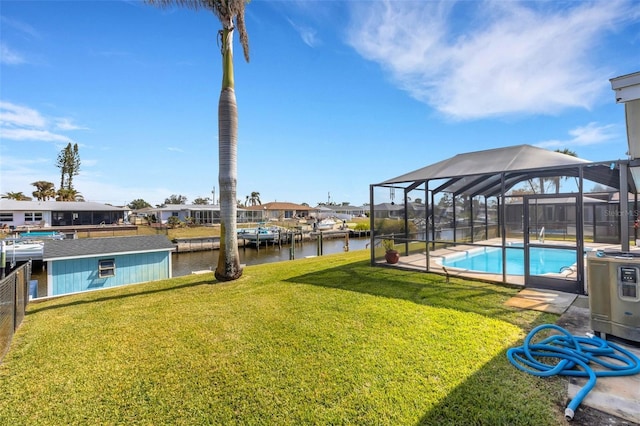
x=19, y=219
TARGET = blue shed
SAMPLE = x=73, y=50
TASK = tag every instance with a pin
x=93, y=263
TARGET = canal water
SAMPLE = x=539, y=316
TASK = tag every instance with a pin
x=186, y=263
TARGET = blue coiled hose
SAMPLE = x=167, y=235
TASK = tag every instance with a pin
x=573, y=355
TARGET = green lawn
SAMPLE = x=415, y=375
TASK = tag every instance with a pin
x=327, y=340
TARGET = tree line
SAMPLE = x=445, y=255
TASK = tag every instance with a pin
x=250, y=200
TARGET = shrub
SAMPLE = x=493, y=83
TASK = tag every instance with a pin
x=392, y=226
x=174, y=222
x=388, y=245
x=362, y=226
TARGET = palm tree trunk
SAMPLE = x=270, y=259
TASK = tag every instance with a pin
x=228, y=260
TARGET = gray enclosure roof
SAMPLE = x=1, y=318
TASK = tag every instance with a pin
x=480, y=172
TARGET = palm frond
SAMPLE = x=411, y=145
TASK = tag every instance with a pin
x=225, y=10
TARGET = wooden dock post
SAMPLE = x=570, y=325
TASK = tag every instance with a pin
x=319, y=244
x=292, y=250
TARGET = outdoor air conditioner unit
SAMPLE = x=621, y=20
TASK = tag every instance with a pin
x=614, y=293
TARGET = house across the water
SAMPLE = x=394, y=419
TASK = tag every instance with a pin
x=43, y=214
x=276, y=211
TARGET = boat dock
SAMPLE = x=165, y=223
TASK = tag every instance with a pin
x=25, y=246
x=283, y=236
x=196, y=244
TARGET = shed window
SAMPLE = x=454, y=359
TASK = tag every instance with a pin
x=106, y=268
x=6, y=217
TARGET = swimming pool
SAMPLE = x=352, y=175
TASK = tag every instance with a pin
x=489, y=260
x=42, y=234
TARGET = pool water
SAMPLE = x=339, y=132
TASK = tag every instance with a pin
x=39, y=233
x=489, y=259
x=55, y=235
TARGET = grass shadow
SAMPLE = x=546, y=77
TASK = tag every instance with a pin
x=486, y=396
x=425, y=289
x=494, y=395
x=91, y=297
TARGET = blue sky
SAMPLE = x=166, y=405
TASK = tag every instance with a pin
x=337, y=95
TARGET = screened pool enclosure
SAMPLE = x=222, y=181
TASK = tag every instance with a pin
x=505, y=215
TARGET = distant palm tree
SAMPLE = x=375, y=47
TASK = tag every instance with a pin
x=44, y=190
x=69, y=195
x=227, y=11
x=556, y=179
x=254, y=199
x=18, y=196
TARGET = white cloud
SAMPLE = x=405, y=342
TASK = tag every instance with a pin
x=308, y=35
x=18, y=164
x=590, y=134
x=21, y=27
x=174, y=149
x=32, y=135
x=16, y=115
x=10, y=57
x=16, y=174
x=21, y=123
x=472, y=60
x=67, y=124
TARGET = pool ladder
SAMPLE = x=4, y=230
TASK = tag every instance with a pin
x=541, y=235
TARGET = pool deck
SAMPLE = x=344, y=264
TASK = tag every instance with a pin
x=419, y=261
